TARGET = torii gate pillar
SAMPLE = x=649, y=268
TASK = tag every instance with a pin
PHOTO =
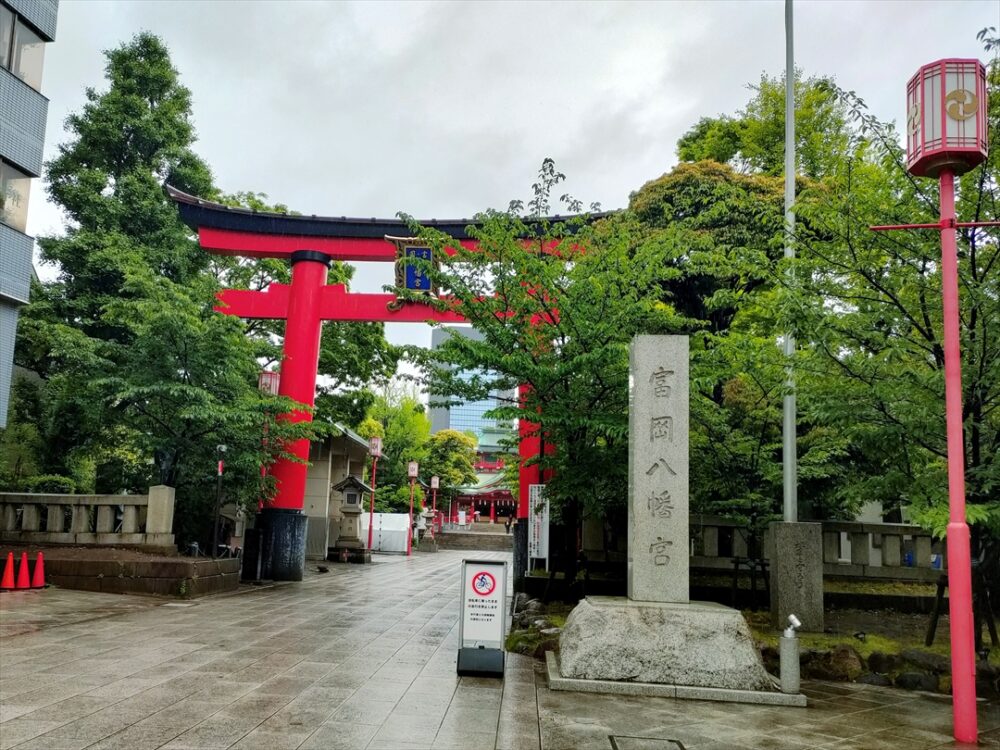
x=282, y=524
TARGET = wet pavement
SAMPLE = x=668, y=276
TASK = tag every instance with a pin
x=364, y=657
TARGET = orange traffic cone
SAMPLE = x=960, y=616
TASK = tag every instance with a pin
x=38, y=576
x=23, y=580
x=7, y=582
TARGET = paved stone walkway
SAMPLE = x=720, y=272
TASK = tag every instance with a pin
x=364, y=657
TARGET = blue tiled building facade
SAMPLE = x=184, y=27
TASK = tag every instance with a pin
x=26, y=26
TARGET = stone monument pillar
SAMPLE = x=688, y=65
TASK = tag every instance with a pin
x=797, y=574
x=658, y=540
x=657, y=642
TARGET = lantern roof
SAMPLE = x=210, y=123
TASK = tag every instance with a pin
x=351, y=482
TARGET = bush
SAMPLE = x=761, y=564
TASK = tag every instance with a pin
x=49, y=484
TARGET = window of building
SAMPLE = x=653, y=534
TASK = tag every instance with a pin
x=27, y=52
x=6, y=32
x=14, y=185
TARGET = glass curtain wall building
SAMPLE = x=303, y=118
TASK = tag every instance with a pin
x=469, y=416
x=26, y=26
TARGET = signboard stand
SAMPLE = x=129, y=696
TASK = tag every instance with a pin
x=538, y=530
x=483, y=613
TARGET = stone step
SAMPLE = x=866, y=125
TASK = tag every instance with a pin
x=474, y=540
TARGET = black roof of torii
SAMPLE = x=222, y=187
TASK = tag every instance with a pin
x=196, y=212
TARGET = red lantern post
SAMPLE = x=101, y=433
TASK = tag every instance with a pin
x=375, y=450
x=435, y=482
x=267, y=382
x=412, y=468
x=946, y=136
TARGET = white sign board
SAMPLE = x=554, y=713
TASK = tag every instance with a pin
x=484, y=603
x=461, y=518
x=538, y=530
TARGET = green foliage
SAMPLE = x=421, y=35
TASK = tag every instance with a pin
x=52, y=484
x=754, y=140
x=141, y=380
x=451, y=456
x=399, y=418
x=869, y=306
x=20, y=454
x=556, y=314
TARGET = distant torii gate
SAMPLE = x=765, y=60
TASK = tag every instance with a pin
x=311, y=243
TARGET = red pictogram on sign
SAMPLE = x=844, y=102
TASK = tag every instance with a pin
x=483, y=583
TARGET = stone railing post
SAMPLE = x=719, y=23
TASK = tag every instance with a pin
x=160, y=515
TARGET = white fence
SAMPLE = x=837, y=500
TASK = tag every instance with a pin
x=390, y=531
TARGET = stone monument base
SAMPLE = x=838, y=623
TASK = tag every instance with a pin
x=657, y=690
x=695, y=644
x=349, y=554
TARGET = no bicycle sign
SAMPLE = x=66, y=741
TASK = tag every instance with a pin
x=483, y=617
x=483, y=583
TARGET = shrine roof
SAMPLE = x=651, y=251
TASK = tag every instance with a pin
x=196, y=213
x=485, y=484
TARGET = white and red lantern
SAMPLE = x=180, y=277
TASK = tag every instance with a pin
x=946, y=117
x=375, y=447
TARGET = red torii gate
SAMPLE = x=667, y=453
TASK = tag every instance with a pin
x=311, y=243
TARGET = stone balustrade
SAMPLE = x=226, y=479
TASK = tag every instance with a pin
x=851, y=549
x=100, y=520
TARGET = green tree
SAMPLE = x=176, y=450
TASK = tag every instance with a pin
x=405, y=428
x=557, y=305
x=142, y=379
x=754, y=140
x=728, y=229
x=870, y=310
x=451, y=457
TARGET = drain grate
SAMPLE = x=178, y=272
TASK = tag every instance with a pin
x=624, y=742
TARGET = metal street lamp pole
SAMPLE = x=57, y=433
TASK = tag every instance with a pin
x=963, y=658
x=788, y=437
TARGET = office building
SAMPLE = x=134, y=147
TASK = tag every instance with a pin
x=26, y=26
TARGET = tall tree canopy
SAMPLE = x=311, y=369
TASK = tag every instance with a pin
x=754, y=139
x=870, y=307
x=557, y=305
x=141, y=379
x=399, y=418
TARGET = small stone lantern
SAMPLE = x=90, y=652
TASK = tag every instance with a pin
x=349, y=547
x=946, y=117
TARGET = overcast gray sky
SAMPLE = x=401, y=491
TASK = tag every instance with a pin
x=443, y=109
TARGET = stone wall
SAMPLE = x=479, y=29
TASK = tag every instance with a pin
x=474, y=541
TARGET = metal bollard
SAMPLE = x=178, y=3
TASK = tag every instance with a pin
x=788, y=654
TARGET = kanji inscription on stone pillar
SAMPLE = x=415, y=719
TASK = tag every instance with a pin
x=658, y=541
